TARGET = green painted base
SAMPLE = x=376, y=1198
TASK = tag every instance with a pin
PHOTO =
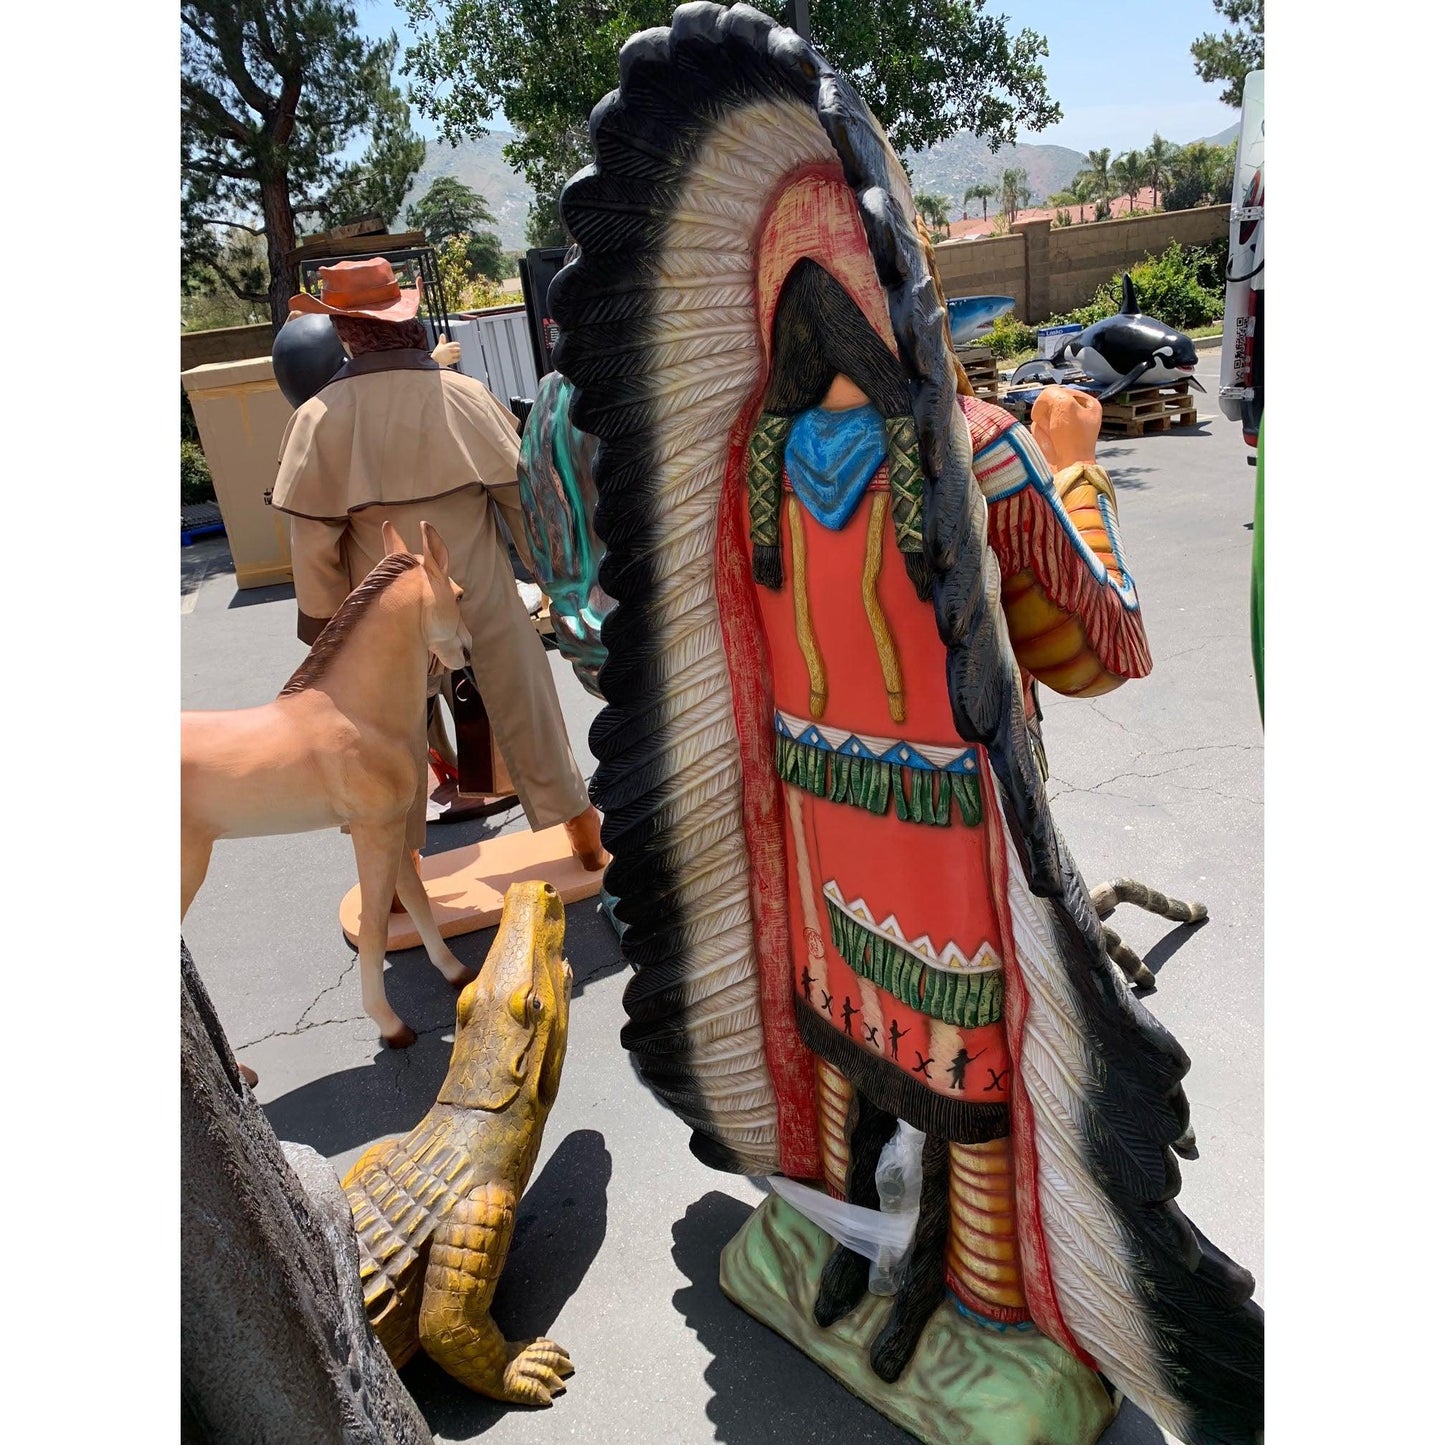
x=966, y=1385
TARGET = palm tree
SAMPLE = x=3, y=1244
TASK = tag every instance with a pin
x=1131, y=170
x=1157, y=156
x=1098, y=170
x=982, y=192
x=1014, y=192
x=934, y=209
x=1196, y=175
x=1073, y=196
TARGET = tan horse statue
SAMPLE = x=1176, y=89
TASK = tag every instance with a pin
x=340, y=745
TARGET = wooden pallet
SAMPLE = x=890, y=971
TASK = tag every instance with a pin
x=1130, y=414
x=1149, y=409
x=980, y=365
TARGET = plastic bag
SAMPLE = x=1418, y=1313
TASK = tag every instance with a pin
x=900, y=1183
x=879, y=1235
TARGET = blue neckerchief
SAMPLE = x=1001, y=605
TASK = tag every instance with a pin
x=831, y=457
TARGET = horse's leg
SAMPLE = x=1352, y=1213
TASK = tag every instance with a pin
x=195, y=859
x=412, y=893
x=378, y=852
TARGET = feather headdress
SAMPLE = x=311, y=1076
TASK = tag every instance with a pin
x=719, y=120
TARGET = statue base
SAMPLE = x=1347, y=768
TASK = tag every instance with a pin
x=467, y=885
x=966, y=1384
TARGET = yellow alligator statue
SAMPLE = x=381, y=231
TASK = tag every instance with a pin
x=434, y=1211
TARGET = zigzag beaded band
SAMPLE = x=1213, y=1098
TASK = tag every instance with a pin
x=851, y=771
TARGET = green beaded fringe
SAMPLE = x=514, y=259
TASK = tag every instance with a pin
x=968, y=1000
x=870, y=783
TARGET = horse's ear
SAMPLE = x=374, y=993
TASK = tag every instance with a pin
x=434, y=550
x=391, y=539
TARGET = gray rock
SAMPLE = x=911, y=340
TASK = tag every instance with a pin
x=275, y=1346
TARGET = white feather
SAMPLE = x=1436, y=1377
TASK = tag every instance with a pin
x=705, y=313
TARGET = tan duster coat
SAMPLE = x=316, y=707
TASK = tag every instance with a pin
x=397, y=438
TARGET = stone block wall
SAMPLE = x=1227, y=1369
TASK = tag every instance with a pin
x=1050, y=269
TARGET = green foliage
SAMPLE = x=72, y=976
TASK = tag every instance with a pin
x=1231, y=56
x=1014, y=194
x=376, y=184
x=1200, y=174
x=466, y=289
x=1131, y=171
x=272, y=94
x=1095, y=183
x=983, y=192
x=196, y=483
x=935, y=212
x=486, y=258
x=1183, y=288
x=209, y=294
x=544, y=221
x=449, y=208
x=927, y=68
x=1158, y=157
x=1009, y=337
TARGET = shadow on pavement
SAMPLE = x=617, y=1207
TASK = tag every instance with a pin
x=256, y=596
x=1132, y=1427
x=210, y=557
x=1170, y=944
x=1130, y=479
x=560, y=1229
x=763, y=1389
x=388, y=1095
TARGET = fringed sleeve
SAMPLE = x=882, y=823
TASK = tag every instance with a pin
x=1071, y=605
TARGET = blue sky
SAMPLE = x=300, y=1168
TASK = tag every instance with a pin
x=1120, y=70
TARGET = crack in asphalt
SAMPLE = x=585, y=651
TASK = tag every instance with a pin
x=330, y=988
x=1174, y=656
x=303, y=1026
x=1109, y=718
x=1102, y=786
x=300, y=1029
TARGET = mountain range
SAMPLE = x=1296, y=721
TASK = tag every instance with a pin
x=948, y=168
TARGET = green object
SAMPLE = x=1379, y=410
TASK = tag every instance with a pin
x=966, y=1385
x=927, y=796
x=1256, y=584
x=966, y=1000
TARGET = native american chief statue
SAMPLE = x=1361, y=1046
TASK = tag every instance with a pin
x=844, y=893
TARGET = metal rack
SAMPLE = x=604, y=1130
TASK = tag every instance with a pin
x=411, y=257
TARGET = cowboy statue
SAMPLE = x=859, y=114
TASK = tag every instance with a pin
x=396, y=437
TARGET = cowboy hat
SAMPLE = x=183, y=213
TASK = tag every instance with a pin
x=361, y=288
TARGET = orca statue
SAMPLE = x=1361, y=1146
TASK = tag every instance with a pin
x=970, y=316
x=1131, y=349
x=1046, y=373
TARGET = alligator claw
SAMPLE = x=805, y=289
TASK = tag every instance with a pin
x=535, y=1373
